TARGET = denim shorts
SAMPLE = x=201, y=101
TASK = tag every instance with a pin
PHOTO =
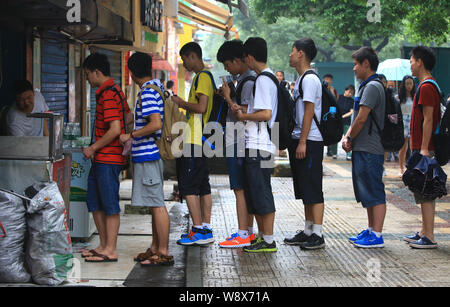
x=367, y=174
x=103, y=188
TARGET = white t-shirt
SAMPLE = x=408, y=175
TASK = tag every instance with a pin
x=266, y=98
x=21, y=125
x=312, y=92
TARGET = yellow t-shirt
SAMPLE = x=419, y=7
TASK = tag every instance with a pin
x=194, y=134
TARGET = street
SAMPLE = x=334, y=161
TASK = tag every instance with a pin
x=339, y=264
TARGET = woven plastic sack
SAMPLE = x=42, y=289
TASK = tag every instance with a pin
x=49, y=247
x=12, y=239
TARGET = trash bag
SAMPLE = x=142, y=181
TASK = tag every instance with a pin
x=49, y=247
x=425, y=177
x=12, y=239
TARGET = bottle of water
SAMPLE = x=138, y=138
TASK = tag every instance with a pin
x=331, y=114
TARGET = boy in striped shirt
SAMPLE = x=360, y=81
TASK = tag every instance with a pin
x=148, y=177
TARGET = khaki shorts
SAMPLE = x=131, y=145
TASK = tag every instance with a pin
x=148, y=181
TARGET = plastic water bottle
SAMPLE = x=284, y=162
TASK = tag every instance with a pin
x=331, y=113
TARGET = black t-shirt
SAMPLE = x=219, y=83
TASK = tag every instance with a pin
x=345, y=104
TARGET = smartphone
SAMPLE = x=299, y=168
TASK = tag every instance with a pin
x=229, y=80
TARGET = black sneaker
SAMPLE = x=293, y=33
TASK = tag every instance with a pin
x=298, y=239
x=314, y=242
x=261, y=247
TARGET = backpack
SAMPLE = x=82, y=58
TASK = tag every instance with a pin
x=241, y=87
x=441, y=136
x=331, y=127
x=172, y=115
x=392, y=135
x=219, y=109
x=285, y=112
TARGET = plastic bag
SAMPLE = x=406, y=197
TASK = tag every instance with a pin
x=12, y=239
x=49, y=248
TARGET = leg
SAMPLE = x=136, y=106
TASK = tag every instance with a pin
x=100, y=223
x=162, y=225
x=428, y=212
x=402, y=155
x=317, y=211
x=379, y=214
x=241, y=209
x=268, y=222
x=155, y=241
x=195, y=211
x=206, y=207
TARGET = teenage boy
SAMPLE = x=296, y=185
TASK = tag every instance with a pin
x=231, y=55
x=364, y=139
x=259, y=149
x=345, y=104
x=103, y=181
x=148, y=179
x=306, y=148
x=192, y=167
x=425, y=118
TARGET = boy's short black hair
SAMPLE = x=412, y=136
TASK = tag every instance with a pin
x=280, y=71
x=381, y=76
x=350, y=87
x=328, y=76
x=191, y=47
x=426, y=54
x=308, y=46
x=230, y=50
x=256, y=47
x=368, y=53
x=98, y=61
x=169, y=84
x=140, y=64
x=22, y=86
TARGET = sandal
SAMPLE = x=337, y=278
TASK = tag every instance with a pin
x=159, y=261
x=144, y=256
x=104, y=259
x=93, y=252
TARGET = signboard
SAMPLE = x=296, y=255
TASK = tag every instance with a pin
x=151, y=14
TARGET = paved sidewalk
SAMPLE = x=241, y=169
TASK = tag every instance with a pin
x=340, y=263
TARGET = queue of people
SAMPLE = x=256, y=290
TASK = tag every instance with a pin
x=250, y=149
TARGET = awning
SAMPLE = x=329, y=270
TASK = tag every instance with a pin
x=162, y=65
x=206, y=16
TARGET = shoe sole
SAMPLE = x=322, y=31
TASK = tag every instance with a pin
x=313, y=247
x=272, y=250
x=294, y=243
x=410, y=240
x=369, y=246
x=423, y=246
x=234, y=246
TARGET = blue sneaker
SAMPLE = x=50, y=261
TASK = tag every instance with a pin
x=412, y=238
x=360, y=236
x=423, y=243
x=370, y=241
x=197, y=237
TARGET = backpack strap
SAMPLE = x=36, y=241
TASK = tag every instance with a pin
x=277, y=84
x=440, y=93
x=241, y=87
x=372, y=119
x=300, y=91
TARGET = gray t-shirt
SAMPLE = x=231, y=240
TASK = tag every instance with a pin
x=21, y=125
x=372, y=97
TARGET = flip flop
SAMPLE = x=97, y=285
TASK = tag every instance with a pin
x=104, y=259
x=144, y=256
x=93, y=252
x=160, y=261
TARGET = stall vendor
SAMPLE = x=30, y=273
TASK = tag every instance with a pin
x=27, y=101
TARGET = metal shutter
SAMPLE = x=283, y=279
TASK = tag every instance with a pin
x=115, y=61
x=54, y=74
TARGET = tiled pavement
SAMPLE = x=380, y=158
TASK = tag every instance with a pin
x=340, y=263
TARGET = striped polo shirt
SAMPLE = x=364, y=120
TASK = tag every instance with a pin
x=145, y=148
x=109, y=108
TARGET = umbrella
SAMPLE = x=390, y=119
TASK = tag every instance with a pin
x=394, y=69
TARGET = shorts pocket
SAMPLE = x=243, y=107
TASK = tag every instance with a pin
x=151, y=181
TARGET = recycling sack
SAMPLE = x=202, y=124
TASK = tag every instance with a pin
x=12, y=239
x=48, y=249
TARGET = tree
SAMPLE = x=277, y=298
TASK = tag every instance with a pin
x=350, y=22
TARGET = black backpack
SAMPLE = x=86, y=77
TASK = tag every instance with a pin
x=331, y=127
x=219, y=109
x=241, y=87
x=285, y=112
x=392, y=135
x=441, y=137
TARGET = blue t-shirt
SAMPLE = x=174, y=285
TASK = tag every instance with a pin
x=145, y=148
